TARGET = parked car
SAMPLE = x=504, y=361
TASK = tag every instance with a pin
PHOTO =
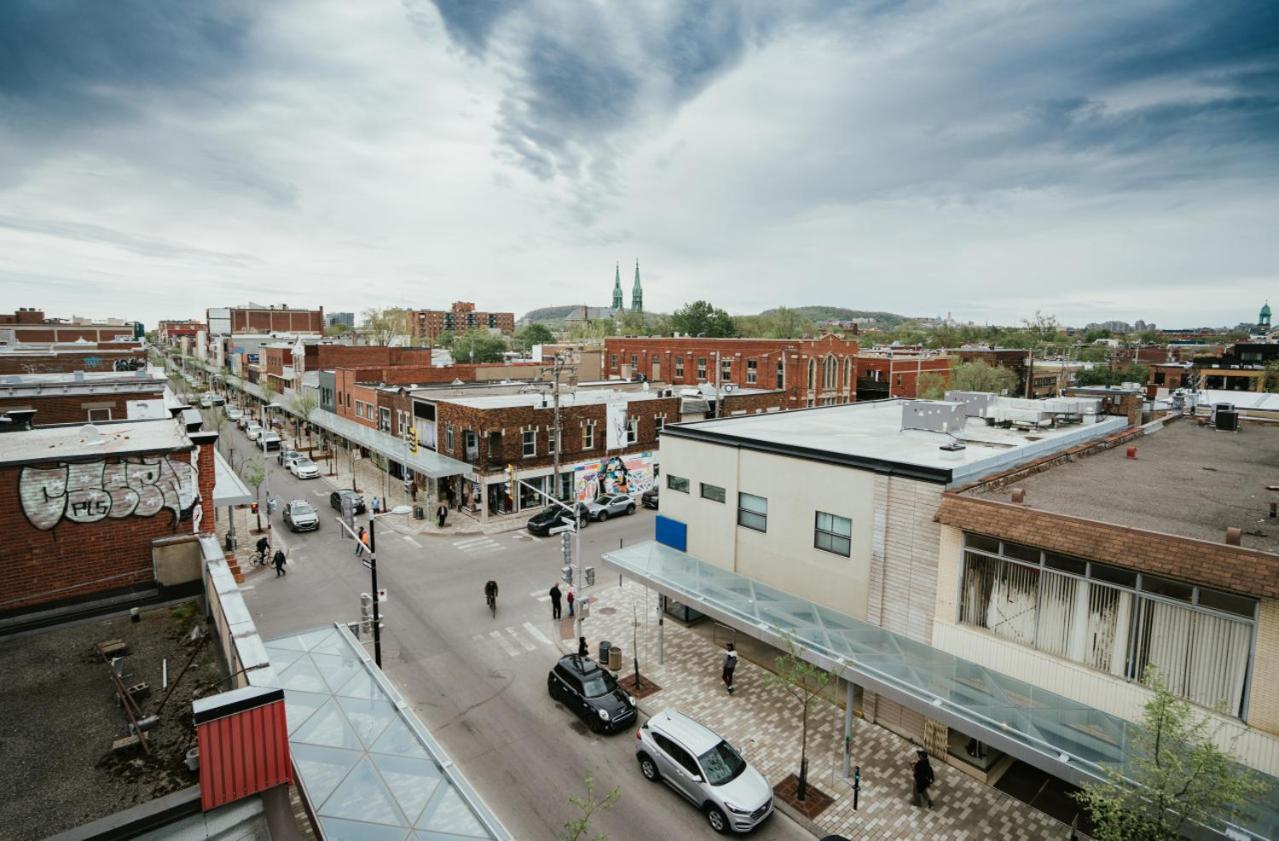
x=591, y=693
x=233, y=413
x=271, y=440
x=552, y=516
x=253, y=429
x=304, y=468
x=300, y=516
x=218, y=399
x=705, y=769
x=243, y=421
x=335, y=500
x=206, y=402
x=603, y=507
x=286, y=457
x=649, y=498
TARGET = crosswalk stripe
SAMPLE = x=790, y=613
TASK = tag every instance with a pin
x=528, y=646
x=510, y=649
x=408, y=539
x=460, y=543
x=536, y=634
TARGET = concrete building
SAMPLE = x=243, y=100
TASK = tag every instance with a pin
x=427, y=325
x=30, y=326
x=812, y=372
x=884, y=373
x=341, y=319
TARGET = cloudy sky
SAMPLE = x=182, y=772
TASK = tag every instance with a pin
x=1093, y=160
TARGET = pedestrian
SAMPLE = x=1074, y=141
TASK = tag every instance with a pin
x=361, y=541
x=555, y=601
x=377, y=505
x=279, y=563
x=923, y=773
x=730, y=663
x=582, y=650
x=570, y=598
x=413, y=491
x=441, y=514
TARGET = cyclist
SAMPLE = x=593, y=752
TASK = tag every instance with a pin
x=264, y=546
x=490, y=596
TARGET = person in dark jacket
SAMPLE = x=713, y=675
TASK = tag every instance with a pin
x=923, y=779
x=730, y=663
x=442, y=514
x=582, y=650
x=279, y=563
x=555, y=601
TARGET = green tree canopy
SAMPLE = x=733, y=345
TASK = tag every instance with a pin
x=478, y=346
x=384, y=325
x=535, y=334
x=980, y=376
x=701, y=318
x=931, y=385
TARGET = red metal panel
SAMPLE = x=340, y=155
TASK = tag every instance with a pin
x=242, y=754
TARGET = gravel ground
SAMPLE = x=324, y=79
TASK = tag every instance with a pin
x=60, y=717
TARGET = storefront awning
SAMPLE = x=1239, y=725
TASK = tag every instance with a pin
x=228, y=488
x=1066, y=738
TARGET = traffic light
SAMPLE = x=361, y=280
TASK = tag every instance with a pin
x=253, y=508
x=510, y=480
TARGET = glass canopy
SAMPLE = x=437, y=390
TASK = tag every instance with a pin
x=1066, y=738
x=368, y=768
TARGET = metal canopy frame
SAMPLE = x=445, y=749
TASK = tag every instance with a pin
x=1060, y=736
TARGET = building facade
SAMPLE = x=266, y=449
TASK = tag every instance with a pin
x=227, y=321
x=885, y=374
x=30, y=326
x=85, y=397
x=427, y=325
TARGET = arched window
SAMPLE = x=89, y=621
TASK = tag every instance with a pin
x=848, y=374
x=830, y=376
x=781, y=372
x=812, y=375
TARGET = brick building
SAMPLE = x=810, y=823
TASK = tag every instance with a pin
x=812, y=372
x=30, y=326
x=52, y=359
x=327, y=355
x=226, y=321
x=171, y=329
x=884, y=374
x=85, y=508
x=462, y=316
x=84, y=397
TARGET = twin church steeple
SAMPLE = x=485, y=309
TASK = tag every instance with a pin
x=637, y=291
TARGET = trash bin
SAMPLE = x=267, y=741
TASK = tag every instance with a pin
x=615, y=659
x=419, y=513
x=604, y=647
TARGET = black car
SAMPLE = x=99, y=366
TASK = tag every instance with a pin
x=552, y=516
x=649, y=498
x=581, y=685
x=335, y=500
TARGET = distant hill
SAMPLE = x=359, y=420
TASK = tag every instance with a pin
x=548, y=315
x=824, y=313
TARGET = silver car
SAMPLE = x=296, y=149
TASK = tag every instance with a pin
x=303, y=468
x=704, y=768
x=611, y=505
x=300, y=516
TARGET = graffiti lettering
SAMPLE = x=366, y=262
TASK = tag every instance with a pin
x=88, y=493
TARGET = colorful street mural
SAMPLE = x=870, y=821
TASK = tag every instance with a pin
x=93, y=491
x=631, y=474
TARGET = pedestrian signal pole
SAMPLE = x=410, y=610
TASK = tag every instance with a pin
x=371, y=563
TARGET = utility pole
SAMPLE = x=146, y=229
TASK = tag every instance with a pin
x=377, y=617
x=556, y=369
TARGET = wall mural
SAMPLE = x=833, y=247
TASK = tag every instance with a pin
x=93, y=491
x=617, y=474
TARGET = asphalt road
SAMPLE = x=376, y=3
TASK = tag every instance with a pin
x=478, y=683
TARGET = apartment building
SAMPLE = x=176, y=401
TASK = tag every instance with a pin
x=462, y=316
x=812, y=372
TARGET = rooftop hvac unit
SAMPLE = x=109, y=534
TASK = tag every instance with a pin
x=975, y=402
x=933, y=416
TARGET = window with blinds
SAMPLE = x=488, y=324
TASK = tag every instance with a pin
x=1111, y=619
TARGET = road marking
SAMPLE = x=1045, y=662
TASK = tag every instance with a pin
x=536, y=634
x=506, y=644
x=408, y=539
x=483, y=545
x=528, y=646
x=319, y=493
x=460, y=543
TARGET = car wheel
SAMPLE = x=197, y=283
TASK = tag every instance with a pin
x=716, y=819
x=648, y=768
x=630, y=509
x=552, y=691
x=603, y=515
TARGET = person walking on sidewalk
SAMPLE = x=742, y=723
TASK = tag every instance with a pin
x=730, y=663
x=923, y=773
x=361, y=541
x=279, y=563
x=376, y=506
x=441, y=514
x=582, y=649
x=555, y=601
x=570, y=598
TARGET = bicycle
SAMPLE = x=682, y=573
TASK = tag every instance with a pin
x=261, y=556
x=490, y=597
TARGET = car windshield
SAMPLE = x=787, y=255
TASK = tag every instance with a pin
x=305, y=462
x=598, y=684
x=722, y=764
x=302, y=508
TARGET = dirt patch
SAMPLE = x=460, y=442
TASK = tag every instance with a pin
x=646, y=688
x=61, y=717
x=814, y=803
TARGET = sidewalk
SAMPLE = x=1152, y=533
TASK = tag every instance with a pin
x=762, y=721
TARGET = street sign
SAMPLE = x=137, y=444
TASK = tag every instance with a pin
x=381, y=595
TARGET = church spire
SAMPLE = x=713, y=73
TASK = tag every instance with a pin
x=637, y=292
x=617, y=287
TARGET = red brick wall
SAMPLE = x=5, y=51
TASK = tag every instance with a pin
x=275, y=360
x=352, y=356
x=44, y=333
x=75, y=560
x=901, y=375
x=66, y=361
x=752, y=403
x=75, y=408
x=277, y=321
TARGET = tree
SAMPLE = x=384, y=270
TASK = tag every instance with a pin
x=384, y=325
x=336, y=330
x=931, y=385
x=633, y=323
x=1177, y=776
x=269, y=392
x=216, y=418
x=701, y=318
x=303, y=404
x=1094, y=353
x=1100, y=375
x=802, y=681
x=254, y=474
x=979, y=376
x=1042, y=328
x=478, y=346
x=534, y=334
x=578, y=828
x=590, y=331
x=1271, y=381
x=779, y=323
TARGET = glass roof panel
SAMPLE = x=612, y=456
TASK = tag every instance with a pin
x=336, y=829
x=322, y=768
x=363, y=796
x=448, y=812
x=412, y=781
x=327, y=726
x=368, y=717
x=299, y=705
x=302, y=675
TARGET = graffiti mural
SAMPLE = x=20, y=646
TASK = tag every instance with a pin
x=93, y=491
x=617, y=474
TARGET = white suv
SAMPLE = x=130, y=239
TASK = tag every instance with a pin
x=704, y=768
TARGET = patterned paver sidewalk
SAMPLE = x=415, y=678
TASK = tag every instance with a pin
x=762, y=721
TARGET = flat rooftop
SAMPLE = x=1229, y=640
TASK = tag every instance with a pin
x=1187, y=480
x=582, y=397
x=48, y=443
x=870, y=436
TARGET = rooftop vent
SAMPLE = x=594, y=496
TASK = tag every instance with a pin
x=933, y=416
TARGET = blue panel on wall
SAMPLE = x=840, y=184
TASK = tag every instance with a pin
x=672, y=533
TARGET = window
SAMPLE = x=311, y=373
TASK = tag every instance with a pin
x=713, y=492
x=1114, y=620
x=833, y=534
x=752, y=372
x=725, y=370
x=530, y=443
x=588, y=436
x=830, y=373
x=634, y=360
x=781, y=373
x=99, y=415
x=612, y=360
x=659, y=421
x=632, y=430
x=552, y=441
x=384, y=420
x=448, y=437
x=701, y=368
x=676, y=483
x=752, y=511
x=848, y=373
x=812, y=374
x=679, y=367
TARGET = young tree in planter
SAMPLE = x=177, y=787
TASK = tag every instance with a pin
x=578, y=828
x=802, y=681
x=1179, y=777
x=304, y=403
x=254, y=474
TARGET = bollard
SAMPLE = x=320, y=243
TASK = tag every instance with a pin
x=857, y=785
